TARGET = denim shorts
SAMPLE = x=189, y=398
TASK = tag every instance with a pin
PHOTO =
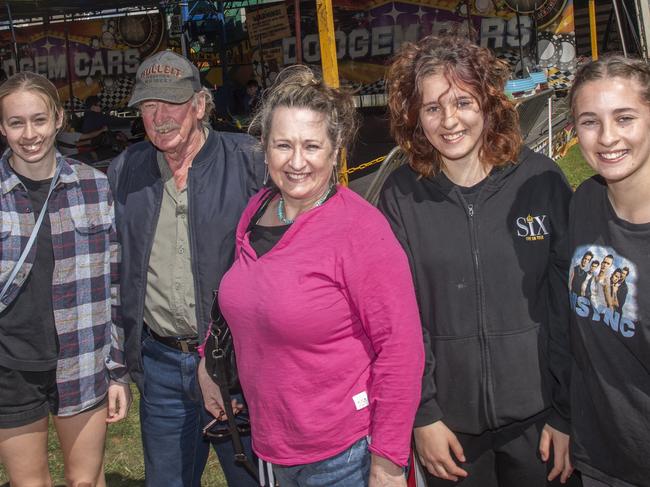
x=25, y=397
x=350, y=468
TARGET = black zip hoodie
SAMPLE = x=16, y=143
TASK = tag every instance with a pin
x=491, y=281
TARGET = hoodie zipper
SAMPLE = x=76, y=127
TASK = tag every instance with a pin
x=486, y=377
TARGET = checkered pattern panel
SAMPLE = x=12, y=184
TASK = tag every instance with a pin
x=511, y=57
x=118, y=95
x=76, y=105
x=561, y=80
x=350, y=85
x=375, y=88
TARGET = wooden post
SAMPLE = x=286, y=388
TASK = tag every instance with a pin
x=327, y=38
x=592, y=30
x=329, y=63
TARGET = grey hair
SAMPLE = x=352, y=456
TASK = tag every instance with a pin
x=297, y=86
x=209, y=105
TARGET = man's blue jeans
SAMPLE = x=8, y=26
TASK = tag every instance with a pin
x=172, y=418
x=350, y=468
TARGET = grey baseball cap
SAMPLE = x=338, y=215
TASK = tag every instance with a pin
x=165, y=76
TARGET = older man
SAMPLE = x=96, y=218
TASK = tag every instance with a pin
x=178, y=199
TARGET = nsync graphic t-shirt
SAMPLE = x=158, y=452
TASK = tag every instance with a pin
x=609, y=290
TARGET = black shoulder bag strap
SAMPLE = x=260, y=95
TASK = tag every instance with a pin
x=220, y=364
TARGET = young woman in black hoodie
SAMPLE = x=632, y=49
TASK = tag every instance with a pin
x=610, y=216
x=483, y=220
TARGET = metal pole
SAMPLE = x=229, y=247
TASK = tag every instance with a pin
x=608, y=28
x=643, y=12
x=68, y=63
x=620, y=27
x=521, y=49
x=630, y=25
x=550, y=126
x=470, y=27
x=262, y=62
x=298, y=29
x=184, y=18
x=535, y=47
x=223, y=54
x=13, y=38
x=592, y=30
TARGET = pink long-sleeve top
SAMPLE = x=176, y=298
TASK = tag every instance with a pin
x=327, y=318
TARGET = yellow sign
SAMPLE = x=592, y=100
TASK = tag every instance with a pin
x=267, y=24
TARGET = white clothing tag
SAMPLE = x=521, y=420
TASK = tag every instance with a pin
x=361, y=400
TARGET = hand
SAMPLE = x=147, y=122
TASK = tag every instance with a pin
x=212, y=399
x=384, y=473
x=119, y=401
x=434, y=444
x=561, y=460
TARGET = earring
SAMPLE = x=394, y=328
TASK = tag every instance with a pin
x=266, y=173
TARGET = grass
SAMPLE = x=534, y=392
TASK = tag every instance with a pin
x=574, y=167
x=124, y=464
x=124, y=461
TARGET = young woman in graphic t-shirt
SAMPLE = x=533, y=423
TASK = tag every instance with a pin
x=610, y=217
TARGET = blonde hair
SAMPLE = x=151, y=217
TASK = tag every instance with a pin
x=297, y=86
x=28, y=81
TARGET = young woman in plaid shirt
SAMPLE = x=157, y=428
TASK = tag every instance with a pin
x=60, y=344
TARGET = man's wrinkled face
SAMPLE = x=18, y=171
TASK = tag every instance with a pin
x=171, y=126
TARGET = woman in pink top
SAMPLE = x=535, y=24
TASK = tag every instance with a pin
x=321, y=305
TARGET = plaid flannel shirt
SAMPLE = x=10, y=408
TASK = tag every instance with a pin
x=85, y=279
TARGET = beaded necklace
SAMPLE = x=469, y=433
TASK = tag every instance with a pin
x=287, y=221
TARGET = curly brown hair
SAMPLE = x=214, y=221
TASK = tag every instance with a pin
x=467, y=66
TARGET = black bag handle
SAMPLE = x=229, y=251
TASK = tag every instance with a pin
x=222, y=367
